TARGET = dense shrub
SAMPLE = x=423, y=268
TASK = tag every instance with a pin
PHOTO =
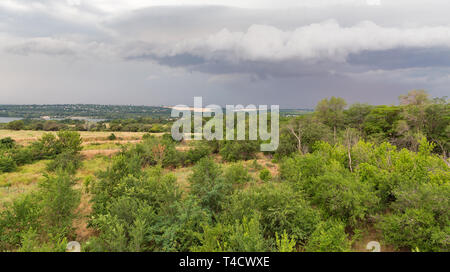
x=16, y=125
x=208, y=185
x=7, y=143
x=7, y=164
x=329, y=236
x=245, y=235
x=49, y=145
x=42, y=220
x=66, y=161
x=281, y=209
x=112, y=137
x=17, y=218
x=415, y=229
x=59, y=201
x=343, y=197
x=265, y=175
x=23, y=155
x=237, y=174
x=199, y=151
x=239, y=150
x=69, y=141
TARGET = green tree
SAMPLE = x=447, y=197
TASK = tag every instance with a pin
x=59, y=201
x=16, y=125
x=208, y=185
x=331, y=112
x=356, y=114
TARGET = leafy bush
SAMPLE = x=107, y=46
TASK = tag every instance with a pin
x=281, y=209
x=23, y=155
x=41, y=220
x=59, y=201
x=208, y=185
x=199, y=151
x=343, y=197
x=49, y=145
x=415, y=228
x=7, y=164
x=284, y=243
x=66, y=161
x=245, y=235
x=16, y=125
x=239, y=150
x=237, y=174
x=329, y=236
x=17, y=218
x=112, y=137
x=265, y=175
x=69, y=141
x=153, y=187
x=7, y=143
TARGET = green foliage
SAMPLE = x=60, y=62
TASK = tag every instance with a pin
x=415, y=228
x=247, y=236
x=284, y=243
x=18, y=218
x=42, y=220
x=237, y=174
x=66, y=161
x=281, y=209
x=153, y=151
x=199, y=151
x=112, y=137
x=22, y=155
x=7, y=164
x=265, y=175
x=46, y=147
x=243, y=235
x=331, y=112
x=343, y=197
x=16, y=125
x=329, y=236
x=69, y=141
x=49, y=145
x=59, y=201
x=390, y=173
x=208, y=185
x=239, y=150
x=7, y=143
x=379, y=123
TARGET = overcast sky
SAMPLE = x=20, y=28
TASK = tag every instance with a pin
x=287, y=52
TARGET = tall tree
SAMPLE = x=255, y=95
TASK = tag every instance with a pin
x=356, y=114
x=415, y=103
x=331, y=112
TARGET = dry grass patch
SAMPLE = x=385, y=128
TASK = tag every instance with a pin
x=27, y=136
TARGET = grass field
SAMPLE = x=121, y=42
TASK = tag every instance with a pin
x=27, y=136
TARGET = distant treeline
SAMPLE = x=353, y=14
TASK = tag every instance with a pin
x=84, y=110
x=147, y=124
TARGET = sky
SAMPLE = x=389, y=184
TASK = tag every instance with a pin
x=282, y=52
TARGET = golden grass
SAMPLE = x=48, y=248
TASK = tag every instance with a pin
x=22, y=181
x=182, y=175
x=26, y=178
x=27, y=136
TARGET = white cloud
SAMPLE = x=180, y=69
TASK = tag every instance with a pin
x=323, y=41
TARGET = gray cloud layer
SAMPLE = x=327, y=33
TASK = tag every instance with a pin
x=97, y=52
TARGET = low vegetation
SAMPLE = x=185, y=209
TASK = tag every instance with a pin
x=340, y=175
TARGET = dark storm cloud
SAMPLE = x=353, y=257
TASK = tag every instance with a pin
x=403, y=58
